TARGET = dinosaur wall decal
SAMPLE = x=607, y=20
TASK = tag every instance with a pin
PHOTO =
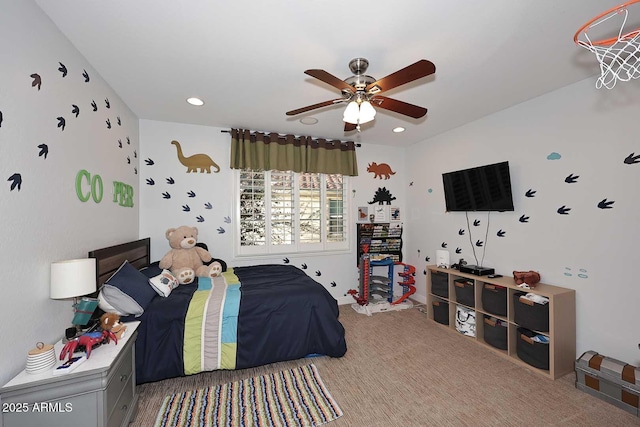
x=382, y=170
x=196, y=162
x=382, y=196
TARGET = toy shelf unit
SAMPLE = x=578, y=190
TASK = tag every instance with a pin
x=535, y=328
x=380, y=241
x=375, y=292
x=376, y=287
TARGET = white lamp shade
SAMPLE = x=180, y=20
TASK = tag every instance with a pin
x=351, y=113
x=73, y=278
x=367, y=112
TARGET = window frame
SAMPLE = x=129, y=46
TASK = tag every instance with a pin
x=297, y=248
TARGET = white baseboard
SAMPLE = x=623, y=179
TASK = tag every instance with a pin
x=419, y=298
x=346, y=300
x=349, y=299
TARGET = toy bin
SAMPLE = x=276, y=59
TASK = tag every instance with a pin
x=494, y=299
x=529, y=314
x=495, y=332
x=466, y=321
x=532, y=349
x=464, y=292
x=609, y=379
x=440, y=284
x=441, y=311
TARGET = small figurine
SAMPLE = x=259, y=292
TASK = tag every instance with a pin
x=88, y=340
x=111, y=322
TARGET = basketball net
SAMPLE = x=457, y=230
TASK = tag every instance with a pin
x=619, y=57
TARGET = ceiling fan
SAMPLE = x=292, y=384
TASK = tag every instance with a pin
x=361, y=92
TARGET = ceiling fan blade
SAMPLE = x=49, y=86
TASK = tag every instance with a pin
x=330, y=79
x=348, y=127
x=399, y=106
x=314, y=106
x=408, y=74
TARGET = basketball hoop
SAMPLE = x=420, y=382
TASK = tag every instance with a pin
x=619, y=56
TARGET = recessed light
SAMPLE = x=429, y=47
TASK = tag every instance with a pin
x=308, y=120
x=195, y=101
x=398, y=129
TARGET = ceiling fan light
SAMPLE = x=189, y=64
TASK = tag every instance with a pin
x=351, y=113
x=367, y=112
x=365, y=119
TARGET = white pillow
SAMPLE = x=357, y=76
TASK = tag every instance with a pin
x=164, y=283
x=106, y=307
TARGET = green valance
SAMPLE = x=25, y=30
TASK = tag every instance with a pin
x=272, y=151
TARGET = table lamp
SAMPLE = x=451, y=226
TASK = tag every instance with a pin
x=73, y=279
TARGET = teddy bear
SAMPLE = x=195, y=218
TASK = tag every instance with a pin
x=185, y=260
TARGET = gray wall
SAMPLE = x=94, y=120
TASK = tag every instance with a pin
x=43, y=220
x=579, y=131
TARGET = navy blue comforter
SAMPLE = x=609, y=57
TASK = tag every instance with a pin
x=284, y=315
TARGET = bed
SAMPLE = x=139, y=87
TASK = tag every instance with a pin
x=248, y=316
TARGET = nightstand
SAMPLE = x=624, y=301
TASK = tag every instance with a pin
x=100, y=392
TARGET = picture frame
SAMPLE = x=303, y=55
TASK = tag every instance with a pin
x=394, y=213
x=363, y=214
x=381, y=213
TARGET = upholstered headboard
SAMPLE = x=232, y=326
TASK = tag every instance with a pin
x=110, y=258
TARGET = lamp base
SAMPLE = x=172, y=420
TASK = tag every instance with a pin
x=77, y=330
x=71, y=333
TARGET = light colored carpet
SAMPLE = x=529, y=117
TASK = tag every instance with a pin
x=402, y=369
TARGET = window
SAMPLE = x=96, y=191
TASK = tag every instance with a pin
x=288, y=212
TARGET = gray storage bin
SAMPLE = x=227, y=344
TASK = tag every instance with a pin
x=440, y=284
x=464, y=292
x=532, y=352
x=530, y=315
x=495, y=333
x=440, y=311
x=609, y=379
x=494, y=299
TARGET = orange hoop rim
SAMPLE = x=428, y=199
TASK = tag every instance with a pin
x=612, y=40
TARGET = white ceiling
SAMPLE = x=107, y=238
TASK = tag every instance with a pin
x=246, y=59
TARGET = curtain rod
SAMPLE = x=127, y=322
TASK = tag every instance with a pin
x=344, y=142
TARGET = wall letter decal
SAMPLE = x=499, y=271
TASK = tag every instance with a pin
x=123, y=194
x=96, y=191
x=82, y=174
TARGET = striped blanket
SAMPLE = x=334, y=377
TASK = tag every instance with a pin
x=211, y=325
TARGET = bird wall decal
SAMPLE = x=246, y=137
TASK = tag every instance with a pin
x=37, y=80
x=604, y=204
x=571, y=179
x=632, y=159
x=16, y=181
x=63, y=69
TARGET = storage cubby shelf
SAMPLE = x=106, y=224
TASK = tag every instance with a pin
x=561, y=315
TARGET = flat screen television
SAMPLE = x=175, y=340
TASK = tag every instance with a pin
x=483, y=188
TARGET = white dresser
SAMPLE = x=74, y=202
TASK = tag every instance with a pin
x=100, y=392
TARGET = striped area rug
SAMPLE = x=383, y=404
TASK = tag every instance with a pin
x=294, y=397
